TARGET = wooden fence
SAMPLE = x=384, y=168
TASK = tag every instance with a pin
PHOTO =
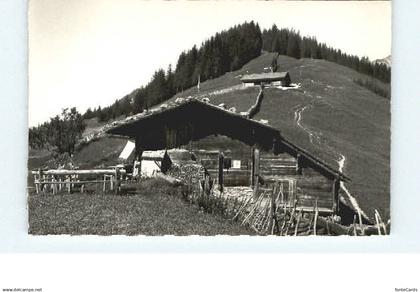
x=273, y=213
x=64, y=180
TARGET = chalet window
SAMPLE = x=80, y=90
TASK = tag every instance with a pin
x=236, y=164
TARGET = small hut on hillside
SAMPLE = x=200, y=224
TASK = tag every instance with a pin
x=274, y=78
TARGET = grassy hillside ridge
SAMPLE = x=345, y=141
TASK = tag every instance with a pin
x=343, y=117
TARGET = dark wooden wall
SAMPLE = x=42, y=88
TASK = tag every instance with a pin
x=207, y=151
x=299, y=182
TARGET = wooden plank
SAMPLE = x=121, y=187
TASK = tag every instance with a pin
x=308, y=209
x=104, y=184
x=73, y=182
x=230, y=172
x=277, y=172
x=269, y=155
x=256, y=171
x=276, y=166
x=252, y=166
x=36, y=184
x=304, y=181
x=279, y=159
x=78, y=171
x=299, y=165
x=335, y=190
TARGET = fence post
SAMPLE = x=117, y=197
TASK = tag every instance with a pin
x=116, y=180
x=53, y=185
x=69, y=184
x=256, y=171
x=336, y=188
x=104, y=185
x=221, y=158
x=252, y=166
x=40, y=180
x=299, y=164
x=111, y=183
x=36, y=184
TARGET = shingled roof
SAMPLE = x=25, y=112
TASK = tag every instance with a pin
x=264, y=77
x=177, y=123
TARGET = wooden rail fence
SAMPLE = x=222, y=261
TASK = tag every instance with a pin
x=59, y=180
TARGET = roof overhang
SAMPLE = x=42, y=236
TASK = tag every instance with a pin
x=177, y=124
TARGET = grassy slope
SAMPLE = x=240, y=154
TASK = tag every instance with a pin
x=100, y=153
x=151, y=212
x=348, y=118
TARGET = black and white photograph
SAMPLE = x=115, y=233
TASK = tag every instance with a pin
x=229, y=145
x=257, y=118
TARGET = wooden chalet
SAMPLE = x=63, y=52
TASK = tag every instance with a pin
x=261, y=157
x=274, y=78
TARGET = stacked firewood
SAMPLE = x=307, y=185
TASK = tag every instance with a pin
x=189, y=173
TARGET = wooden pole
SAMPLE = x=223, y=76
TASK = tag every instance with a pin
x=40, y=179
x=298, y=221
x=69, y=184
x=299, y=164
x=111, y=183
x=116, y=180
x=256, y=171
x=137, y=155
x=336, y=188
x=377, y=224
x=272, y=213
x=221, y=159
x=316, y=216
x=36, y=184
x=104, y=184
x=252, y=166
x=360, y=222
x=55, y=187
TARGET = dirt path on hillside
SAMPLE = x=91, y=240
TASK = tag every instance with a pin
x=316, y=138
x=343, y=186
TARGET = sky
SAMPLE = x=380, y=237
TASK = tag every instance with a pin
x=86, y=53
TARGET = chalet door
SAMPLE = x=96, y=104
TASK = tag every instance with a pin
x=287, y=191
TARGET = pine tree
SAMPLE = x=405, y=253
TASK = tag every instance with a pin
x=293, y=48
